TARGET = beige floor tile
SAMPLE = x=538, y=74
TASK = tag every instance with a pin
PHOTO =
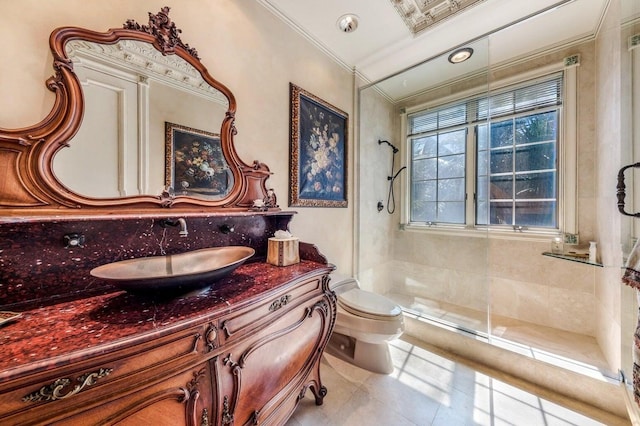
x=428, y=387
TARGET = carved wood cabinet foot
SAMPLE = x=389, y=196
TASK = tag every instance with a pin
x=319, y=394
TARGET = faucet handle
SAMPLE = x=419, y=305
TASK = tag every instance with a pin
x=176, y=222
x=226, y=229
x=74, y=240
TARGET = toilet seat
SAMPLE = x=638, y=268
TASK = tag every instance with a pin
x=365, y=323
x=368, y=305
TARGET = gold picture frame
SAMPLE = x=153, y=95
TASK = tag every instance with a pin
x=317, y=151
x=194, y=163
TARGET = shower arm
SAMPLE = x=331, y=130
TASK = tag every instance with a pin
x=395, y=150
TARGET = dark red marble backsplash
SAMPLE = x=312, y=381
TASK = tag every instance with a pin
x=36, y=269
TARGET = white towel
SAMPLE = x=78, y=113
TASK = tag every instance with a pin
x=631, y=274
x=631, y=277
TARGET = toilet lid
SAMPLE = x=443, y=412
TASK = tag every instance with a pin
x=367, y=304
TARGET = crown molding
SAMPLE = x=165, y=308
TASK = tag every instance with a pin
x=297, y=28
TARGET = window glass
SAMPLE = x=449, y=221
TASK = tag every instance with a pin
x=438, y=177
x=523, y=166
x=451, y=166
x=515, y=134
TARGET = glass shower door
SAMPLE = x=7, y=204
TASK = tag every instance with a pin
x=418, y=242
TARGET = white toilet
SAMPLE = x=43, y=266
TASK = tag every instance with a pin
x=365, y=324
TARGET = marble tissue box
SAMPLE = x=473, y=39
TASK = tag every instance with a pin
x=283, y=251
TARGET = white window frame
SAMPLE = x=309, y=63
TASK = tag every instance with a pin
x=567, y=164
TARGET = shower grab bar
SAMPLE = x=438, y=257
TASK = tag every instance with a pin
x=620, y=190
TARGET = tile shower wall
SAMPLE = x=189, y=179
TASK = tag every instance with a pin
x=442, y=268
x=511, y=277
x=375, y=247
x=530, y=287
x=608, y=159
x=37, y=268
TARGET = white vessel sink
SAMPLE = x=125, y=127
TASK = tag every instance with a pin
x=175, y=273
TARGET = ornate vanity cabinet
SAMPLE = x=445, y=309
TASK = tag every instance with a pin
x=244, y=350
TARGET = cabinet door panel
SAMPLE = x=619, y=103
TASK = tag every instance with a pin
x=257, y=376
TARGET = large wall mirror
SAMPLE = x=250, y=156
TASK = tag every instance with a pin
x=131, y=90
x=138, y=123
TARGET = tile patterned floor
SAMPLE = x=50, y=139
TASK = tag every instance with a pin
x=430, y=387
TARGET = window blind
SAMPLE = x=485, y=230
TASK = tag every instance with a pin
x=531, y=95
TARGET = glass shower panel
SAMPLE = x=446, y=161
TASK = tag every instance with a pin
x=630, y=149
x=461, y=238
x=548, y=307
x=429, y=255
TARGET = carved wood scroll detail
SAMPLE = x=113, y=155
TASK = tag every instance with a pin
x=192, y=386
x=54, y=390
x=225, y=327
x=277, y=304
x=191, y=396
x=196, y=339
x=229, y=410
x=164, y=30
x=204, y=419
x=212, y=337
x=227, y=416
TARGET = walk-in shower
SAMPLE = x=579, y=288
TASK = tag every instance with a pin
x=468, y=271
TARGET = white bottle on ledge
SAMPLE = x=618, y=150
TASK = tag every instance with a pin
x=592, y=252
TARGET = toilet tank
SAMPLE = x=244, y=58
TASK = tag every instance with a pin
x=342, y=283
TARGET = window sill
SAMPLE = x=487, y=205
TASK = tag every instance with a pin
x=476, y=232
x=572, y=258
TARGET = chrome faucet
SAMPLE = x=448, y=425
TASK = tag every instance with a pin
x=176, y=222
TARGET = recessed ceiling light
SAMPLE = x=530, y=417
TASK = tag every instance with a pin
x=460, y=55
x=347, y=23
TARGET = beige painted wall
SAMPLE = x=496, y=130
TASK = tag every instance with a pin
x=242, y=44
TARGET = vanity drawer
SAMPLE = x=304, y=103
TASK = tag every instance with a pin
x=45, y=396
x=251, y=318
x=182, y=399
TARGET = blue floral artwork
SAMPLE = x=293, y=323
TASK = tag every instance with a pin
x=318, y=152
x=196, y=164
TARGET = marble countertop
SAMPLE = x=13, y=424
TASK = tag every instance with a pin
x=68, y=332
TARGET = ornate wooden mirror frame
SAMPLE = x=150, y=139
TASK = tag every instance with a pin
x=28, y=184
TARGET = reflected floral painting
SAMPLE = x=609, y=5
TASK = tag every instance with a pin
x=318, y=149
x=195, y=164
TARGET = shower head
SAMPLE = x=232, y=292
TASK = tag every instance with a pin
x=395, y=150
